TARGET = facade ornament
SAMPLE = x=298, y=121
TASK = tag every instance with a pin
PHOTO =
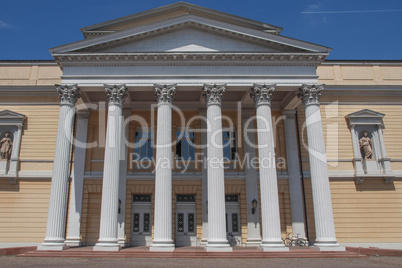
x=116, y=94
x=213, y=93
x=68, y=94
x=389, y=180
x=366, y=146
x=261, y=94
x=310, y=94
x=359, y=180
x=6, y=146
x=165, y=93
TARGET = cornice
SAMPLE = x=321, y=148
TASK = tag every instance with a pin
x=200, y=59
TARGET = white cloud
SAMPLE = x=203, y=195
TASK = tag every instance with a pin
x=6, y=25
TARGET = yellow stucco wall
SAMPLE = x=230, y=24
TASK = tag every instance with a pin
x=23, y=210
x=30, y=75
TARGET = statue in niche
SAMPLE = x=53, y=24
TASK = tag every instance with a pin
x=366, y=146
x=6, y=146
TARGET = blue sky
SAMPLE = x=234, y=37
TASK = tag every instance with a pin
x=355, y=29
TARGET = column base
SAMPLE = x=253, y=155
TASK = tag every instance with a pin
x=253, y=242
x=73, y=241
x=328, y=247
x=122, y=242
x=52, y=246
x=106, y=247
x=219, y=246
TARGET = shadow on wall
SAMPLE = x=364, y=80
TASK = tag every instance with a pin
x=9, y=185
x=374, y=185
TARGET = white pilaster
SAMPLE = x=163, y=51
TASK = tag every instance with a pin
x=108, y=240
x=163, y=171
x=293, y=167
x=271, y=227
x=14, y=160
x=123, y=182
x=56, y=221
x=77, y=183
x=216, y=180
x=253, y=219
x=324, y=220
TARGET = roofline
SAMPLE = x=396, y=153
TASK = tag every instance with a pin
x=362, y=62
x=27, y=62
x=176, y=6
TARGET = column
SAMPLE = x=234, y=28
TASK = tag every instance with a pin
x=123, y=181
x=253, y=219
x=77, y=183
x=163, y=171
x=324, y=220
x=271, y=226
x=108, y=240
x=204, y=178
x=56, y=221
x=216, y=180
x=293, y=167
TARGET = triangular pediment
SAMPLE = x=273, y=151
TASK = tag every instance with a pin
x=190, y=33
x=366, y=113
x=8, y=117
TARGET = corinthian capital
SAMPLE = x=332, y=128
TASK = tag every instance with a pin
x=165, y=93
x=116, y=94
x=261, y=94
x=68, y=94
x=213, y=94
x=310, y=94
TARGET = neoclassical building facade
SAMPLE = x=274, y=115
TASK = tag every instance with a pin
x=186, y=126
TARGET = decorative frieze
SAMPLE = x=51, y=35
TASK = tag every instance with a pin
x=213, y=93
x=68, y=94
x=310, y=94
x=261, y=94
x=116, y=94
x=165, y=93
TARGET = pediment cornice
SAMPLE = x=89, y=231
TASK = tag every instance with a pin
x=268, y=40
x=163, y=59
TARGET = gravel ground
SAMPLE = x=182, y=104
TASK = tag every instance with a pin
x=12, y=261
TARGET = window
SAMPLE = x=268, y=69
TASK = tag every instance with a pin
x=185, y=145
x=143, y=144
x=229, y=145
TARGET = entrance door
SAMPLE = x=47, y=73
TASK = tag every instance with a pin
x=186, y=227
x=141, y=227
x=233, y=217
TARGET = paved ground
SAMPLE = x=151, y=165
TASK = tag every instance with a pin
x=12, y=261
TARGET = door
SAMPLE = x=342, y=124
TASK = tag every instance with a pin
x=233, y=218
x=186, y=227
x=141, y=227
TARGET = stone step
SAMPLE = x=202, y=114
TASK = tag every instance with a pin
x=188, y=253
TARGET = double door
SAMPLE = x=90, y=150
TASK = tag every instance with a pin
x=186, y=227
x=141, y=231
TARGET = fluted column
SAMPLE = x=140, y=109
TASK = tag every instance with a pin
x=216, y=180
x=271, y=226
x=77, y=183
x=293, y=167
x=56, y=221
x=163, y=171
x=324, y=220
x=108, y=240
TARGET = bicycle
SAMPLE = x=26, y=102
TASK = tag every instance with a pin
x=290, y=241
x=233, y=241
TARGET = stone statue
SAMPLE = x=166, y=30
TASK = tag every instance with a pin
x=6, y=146
x=366, y=146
